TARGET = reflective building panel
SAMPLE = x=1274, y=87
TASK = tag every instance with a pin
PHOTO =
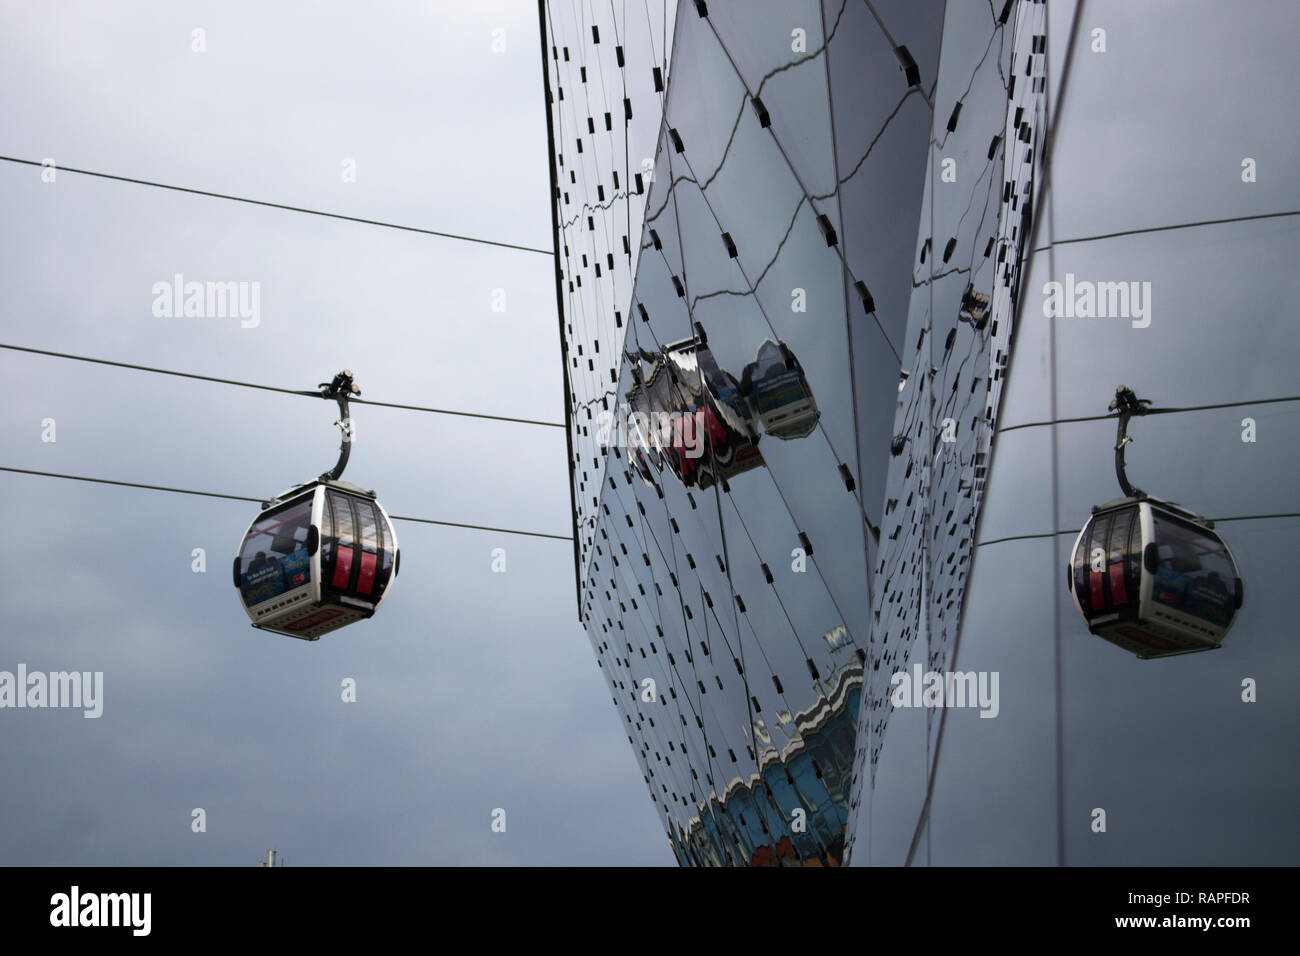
x=840, y=339
x=722, y=508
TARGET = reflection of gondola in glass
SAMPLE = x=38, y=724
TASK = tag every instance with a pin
x=778, y=391
x=974, y=307
x=640, y=459
x=1149, y=576
x=321, y=555
x=642, y=449
x=709, y=433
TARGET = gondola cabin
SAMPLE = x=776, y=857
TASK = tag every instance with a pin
x=1154, y=578
x=711, y=433
x=319, y=557
x=776, y=387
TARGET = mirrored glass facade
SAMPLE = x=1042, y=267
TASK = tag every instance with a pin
x=803, y=248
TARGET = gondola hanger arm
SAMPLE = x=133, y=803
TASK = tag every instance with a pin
x=1127, y=404
x=339, y=389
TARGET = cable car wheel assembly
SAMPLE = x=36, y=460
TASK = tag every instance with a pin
x=1148, y=575
x=321, y=555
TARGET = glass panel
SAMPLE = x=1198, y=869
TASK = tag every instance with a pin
x=369, y=527
x=343, y=541
x=274, y=557
x=326, y=539
x=343, y=528
x=1196, y=575
x=1120, y=532
x=1133, y=566
x=387, y=557
x=953, y=357
x=1097, y=580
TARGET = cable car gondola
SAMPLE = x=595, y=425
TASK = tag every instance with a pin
x=1148, y=575
x=321, y=555
x=974, y=307
x=776, y=387
x=642, y=450
x=713, y=435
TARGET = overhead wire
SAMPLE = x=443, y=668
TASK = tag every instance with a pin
x=1145, y=230
x=277, y=205
x=270, y=388
x=307, y=393
x=1053, y=534
x=214, y=494
x=1152, y=411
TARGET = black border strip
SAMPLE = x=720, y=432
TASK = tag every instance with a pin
x=559, y=304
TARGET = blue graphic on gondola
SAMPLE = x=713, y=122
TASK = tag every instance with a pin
x=270, y=576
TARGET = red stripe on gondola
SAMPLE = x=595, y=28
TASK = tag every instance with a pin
x=366, y=576
x=342, y=568
x=1118, y=595
x=1095, y=592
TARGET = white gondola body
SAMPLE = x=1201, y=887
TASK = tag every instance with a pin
x=304, y=535
x=780, y=395
x=1154, y=579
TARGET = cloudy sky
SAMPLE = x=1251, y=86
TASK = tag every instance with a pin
x=475, y=690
